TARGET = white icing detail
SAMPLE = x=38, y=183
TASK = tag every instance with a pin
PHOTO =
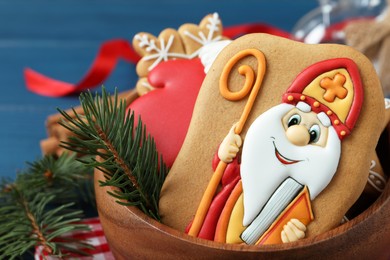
x=374, y=175
x=212, y=26
x=194, y=38
x=163, y=53
x=303, y=107
x=387, y=103
x=214, y=21
x=147, y=85
x=262, y=172
x=209, y=53
x=143, y=40
x=324, y=119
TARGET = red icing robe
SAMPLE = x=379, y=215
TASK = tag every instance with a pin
x=229, y=180
x=299, y=208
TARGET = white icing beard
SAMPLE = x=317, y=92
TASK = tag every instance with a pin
x=262, y=172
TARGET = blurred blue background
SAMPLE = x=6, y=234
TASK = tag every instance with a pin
x=61, y=38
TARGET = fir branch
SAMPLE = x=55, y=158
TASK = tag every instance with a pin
x=64, y=176
x=41, y=206
x=124, y=153
x=117, y=158
x=27, y=220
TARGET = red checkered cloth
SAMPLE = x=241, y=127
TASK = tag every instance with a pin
x=94, y=237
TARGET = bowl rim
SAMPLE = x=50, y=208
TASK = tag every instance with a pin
x=379, y=205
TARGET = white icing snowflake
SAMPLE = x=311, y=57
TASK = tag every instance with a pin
x=162, y=54
x=201, y=38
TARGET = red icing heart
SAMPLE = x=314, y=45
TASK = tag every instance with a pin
x=167, y=110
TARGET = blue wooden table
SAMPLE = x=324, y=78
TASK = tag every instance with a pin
x=61, y=38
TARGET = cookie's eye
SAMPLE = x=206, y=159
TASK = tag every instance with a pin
x=315, y=133
x=294, y=120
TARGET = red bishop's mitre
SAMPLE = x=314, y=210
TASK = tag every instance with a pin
x=331, y=86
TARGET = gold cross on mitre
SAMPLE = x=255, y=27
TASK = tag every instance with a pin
x=334, y=89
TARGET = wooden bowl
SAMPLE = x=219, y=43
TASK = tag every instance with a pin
x=133, y=235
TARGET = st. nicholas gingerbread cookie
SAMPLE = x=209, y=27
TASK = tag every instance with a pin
x=291, y=127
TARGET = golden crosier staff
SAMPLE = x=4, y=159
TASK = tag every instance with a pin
x=250, y=87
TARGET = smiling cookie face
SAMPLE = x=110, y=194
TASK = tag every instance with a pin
x=304, y=127
x=286, y=142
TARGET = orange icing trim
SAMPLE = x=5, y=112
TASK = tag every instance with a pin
x=223, y=222
x=251, y=88
x=206, y=200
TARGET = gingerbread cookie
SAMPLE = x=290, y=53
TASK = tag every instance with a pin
x=195, y=36
x=291, y=132
x=184, y=43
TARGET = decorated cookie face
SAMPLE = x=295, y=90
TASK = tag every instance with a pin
x=304, y=127
x=286, y=142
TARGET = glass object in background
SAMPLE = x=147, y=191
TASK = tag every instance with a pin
x=325, y=23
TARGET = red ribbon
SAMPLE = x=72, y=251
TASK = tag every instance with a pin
x=104, y=63
x=107, y=57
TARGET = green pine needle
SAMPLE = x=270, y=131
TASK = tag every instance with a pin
x=64, y=176
x=127, y=155
x=28, y=219
x=42, y=205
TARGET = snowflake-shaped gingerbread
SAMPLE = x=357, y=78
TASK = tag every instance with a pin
x=171, y=44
